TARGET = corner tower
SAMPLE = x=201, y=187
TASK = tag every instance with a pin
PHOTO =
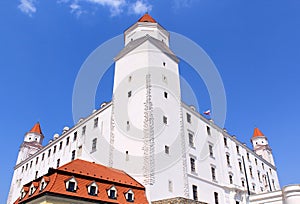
x=261, y=146
x=32, y=143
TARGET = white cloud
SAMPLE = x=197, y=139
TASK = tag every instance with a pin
x=115, y=6
x=27, y=7
x=76, y=8
x=140, y=7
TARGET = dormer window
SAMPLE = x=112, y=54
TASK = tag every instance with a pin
x=71, y=185
x=112, y=192
x=129, y=196
x=33, y=188
x=44, y=183
x=23, y=192
x=92, y=188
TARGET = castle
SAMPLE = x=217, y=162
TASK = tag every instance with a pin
x=147, y=131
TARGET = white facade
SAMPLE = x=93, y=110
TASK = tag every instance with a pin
x=148, y=132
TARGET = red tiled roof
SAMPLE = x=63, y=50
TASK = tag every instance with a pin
x=85, y=173
x=257, y=133
x=147, y=18
x=36, y=129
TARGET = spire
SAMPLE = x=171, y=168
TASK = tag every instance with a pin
x=257, y=133
x=36, y=129
x=147, y=18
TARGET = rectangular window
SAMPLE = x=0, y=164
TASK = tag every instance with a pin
x=94, y=144
x=36, y=174
x=129, y=94
x=170, y=186
x=228, y=159
x=68, y=141
x=240, y=166
x=238, y=149
x=60, y=145
x=49, y=152
x=193, y=166
x=167, y=149
x=30, y=164
x=57, y=163
x=225, y=141
x=208, y=130
x=165, y=94
x=71, y=186
x=95, y=122
x=243, y=183
x=253, y=187
x=54, y=149
x=191, y=139
x=73, y=155
x=37, y=160
x=213, y=173
x=92, y=190
x=75, y=136
x=127, y=156
x=230, y=179
x=248, y=156
x=255, y=161
x=26, y=166
x=22, y=168
x=216, y=195
x=250, y=170
x=43, y=156
x=263, y=166
x=188, y=118
x=195, y=192
x=258, y=175
x=211, y=153
x=83, y=130
x=165, y=120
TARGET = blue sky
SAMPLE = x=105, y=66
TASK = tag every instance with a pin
x=254, y=44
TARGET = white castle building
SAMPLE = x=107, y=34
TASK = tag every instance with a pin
x=147, y=131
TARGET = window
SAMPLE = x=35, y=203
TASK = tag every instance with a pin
x=191, y=139
x=43, y=156
x=26, y=166
x=208, y=130
x=129, y=94
x=127, y=156
x=263, y=166
x=60, y=145
x=165, y=120
x=164, y=78
x=94, y=144
x=230, y=179
x=130, y=77
x=228, y=159
x=170, y=186
x=165, y=94
x=270, y=171
x=30, y=164
x=250, y=170
x=164, y=64
x=22, y=168
x=112, y=193
x=71, y=186
x=193, y=167
x=36, y=174
x=32, y=190
x=253, y=187
x=216, y=196
x=238, y=149
x=36, y=160
x=128, y=126
x=129, y=196
x=248, y=156
x=258, y=175
x=188, y=118
x=225, y=141
x=240, y=166
x=167, y=149
x=92, y=190
x=273, y=182
x=195, y=192
x=57, y=163
x=243, y=183
x=255, y=161
x=49, y=152
x=83, y=130
x=68, y=141
x=211, y=153
x=213, y=173
x=73, y=155
x=54, y=149
x=75, y=136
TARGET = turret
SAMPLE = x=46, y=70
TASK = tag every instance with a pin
x=32, y=143
x=261, y=146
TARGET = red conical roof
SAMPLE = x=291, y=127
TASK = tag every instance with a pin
x=147, y=18
x=257, y=133
x=36, y=129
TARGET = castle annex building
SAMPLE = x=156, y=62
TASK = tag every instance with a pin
x=149, y=133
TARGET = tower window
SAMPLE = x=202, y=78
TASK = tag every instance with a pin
x=225, y=142
x=164, y=79
x=195, y=192
x=94, y=144
x=73, y=155
x=57, y=163
x=60, y=145
x=250, y=170
x=188, y=118
x=208, y=130
x=228, y=159
x=211, y=153
x=165, y=94
x=240, y=166
x=127, y=126
x=83, y=130
x=95, y=122
x=129, y=94
x=164, y=64
x=216, y=196
x=230, y=179
x=165, y=120
x=167, y=149
x=263, y=166
x=248, y=156
x=30, y=164
x=255, y=161
x=36, y=174
x=49, y=152
x=36, y=160
x=26, y=166
x=243, y=183
x=54, y=149
x=238, y=149
x=43, y=156
x=22, y=168
x=193, y=165
x=68, y=140
x=191, y=139
x=129, y=78
x=258, y=175
x=213, y=173
x=75, y=136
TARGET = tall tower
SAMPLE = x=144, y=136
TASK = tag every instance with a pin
x=146, y=113
x=32, y=143
x=261, y=146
